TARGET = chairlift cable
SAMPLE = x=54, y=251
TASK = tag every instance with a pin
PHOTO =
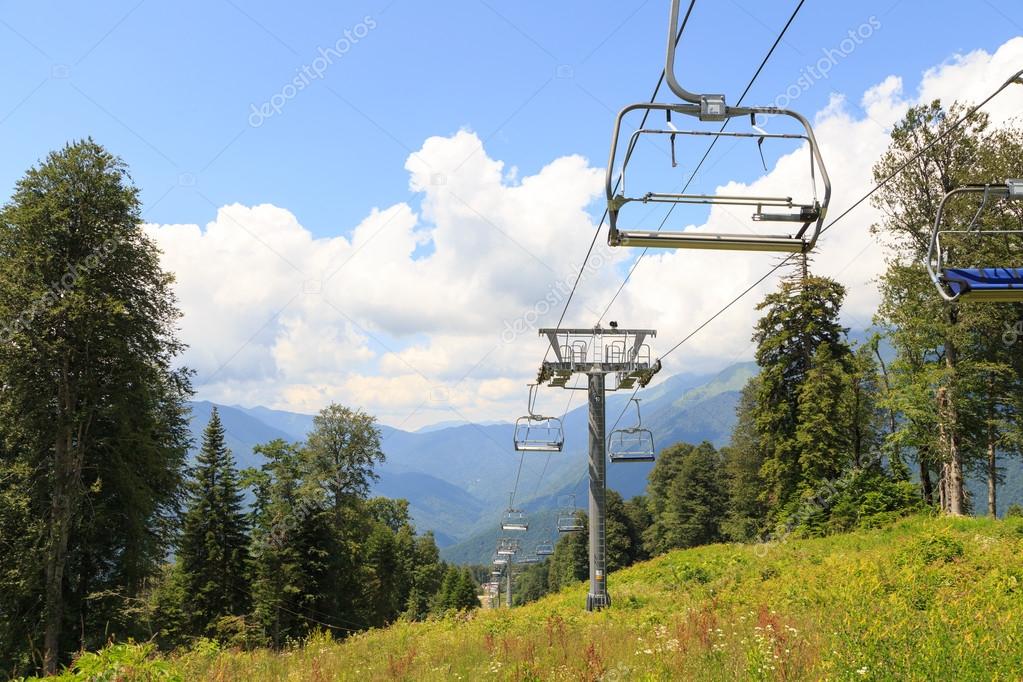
x=603, y=219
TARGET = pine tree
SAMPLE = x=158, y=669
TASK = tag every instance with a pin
x=214, y=543
x=427, y=573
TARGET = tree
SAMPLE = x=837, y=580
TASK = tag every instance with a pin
x=213, y=552
x=427, y=573
x=570, y=562
x=90, y=403
x=282, y=531
x=825, y=421
x=742, y=460
x=798, y=318
x=945, y=348
x=337, y=467
x=687, y=498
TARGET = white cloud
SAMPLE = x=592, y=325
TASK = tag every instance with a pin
x=428, y=314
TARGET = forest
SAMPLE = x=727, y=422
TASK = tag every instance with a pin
x=110, y=531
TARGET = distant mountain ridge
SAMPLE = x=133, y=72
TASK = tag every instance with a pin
x=457, y=476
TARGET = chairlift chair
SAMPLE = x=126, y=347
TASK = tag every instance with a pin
x=568, y=518
x=634, y=444
x=500, y=560
x=536, y=433
x=807, y=214
x=507, y=547
x=515, y=520
x=545, y=548
x=988, y=284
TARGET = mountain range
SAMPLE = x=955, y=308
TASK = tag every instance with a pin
x=458, y=476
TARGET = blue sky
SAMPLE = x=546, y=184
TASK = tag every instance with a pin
x=169, y=86
x=173, y=87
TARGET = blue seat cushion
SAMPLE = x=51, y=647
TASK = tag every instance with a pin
x=965, y=280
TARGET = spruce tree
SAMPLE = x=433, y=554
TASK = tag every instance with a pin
x=798, y=318
x=213, y=553
x=825, y=425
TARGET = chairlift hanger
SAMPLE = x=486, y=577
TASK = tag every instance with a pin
x=1001, y=284
x=634, y=444
x=712, y=107
x=537, y=433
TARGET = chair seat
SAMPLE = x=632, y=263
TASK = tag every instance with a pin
x=991, y=284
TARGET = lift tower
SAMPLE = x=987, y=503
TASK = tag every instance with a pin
x=597, y=353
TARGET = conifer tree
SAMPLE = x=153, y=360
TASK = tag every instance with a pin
x=687, y=498
x=213, y=553
x=798, y=318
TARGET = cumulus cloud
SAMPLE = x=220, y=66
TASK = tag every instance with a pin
x=428, y=311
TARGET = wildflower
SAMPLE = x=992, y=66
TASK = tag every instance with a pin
x=862, y=671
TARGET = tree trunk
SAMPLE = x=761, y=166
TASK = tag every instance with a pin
x=992, y=453
x=925, y=479
x=67, y=469
x=949, y=420
x=992, y=473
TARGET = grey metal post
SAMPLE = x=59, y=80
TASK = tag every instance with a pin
x=509, y=584
x=598, y=597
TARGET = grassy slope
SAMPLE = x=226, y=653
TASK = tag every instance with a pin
x=925, y=599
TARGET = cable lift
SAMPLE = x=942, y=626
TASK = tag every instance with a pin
x=527, y=560
x=568, y=519
x=987, y=284
x=514, y=519
x=500, y=560
x=508, y=547
x=634, y=444
x=807, y=214
x=536, y=433
x=545, y=548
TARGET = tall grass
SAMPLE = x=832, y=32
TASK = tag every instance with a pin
x=926, y=599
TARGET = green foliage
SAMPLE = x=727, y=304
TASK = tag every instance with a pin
x=458, y=592
x=115, y=662
x=935, y=548
x=743, y=458
x=845, y=607
x=213, y=553
x=687, y=498
x=798, y=319
x=1014, y=511
x=93, y=431
x=955, y=384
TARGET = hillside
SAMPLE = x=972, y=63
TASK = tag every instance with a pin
x=933, y=599
x=457, y=476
